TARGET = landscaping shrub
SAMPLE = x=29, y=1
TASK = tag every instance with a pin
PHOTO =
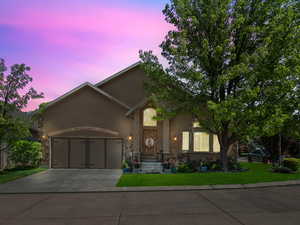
x=282, y=169
x=26, y=154
x=194, y=165
x=233, y=164
x=291, y=163
x=125, y=164
x=216, y=166
x=184, y=168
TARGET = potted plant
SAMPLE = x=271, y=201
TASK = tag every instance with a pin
x=204, y=167
x=173, y=165
x=125, y=167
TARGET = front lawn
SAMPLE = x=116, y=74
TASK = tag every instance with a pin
x=10, y=175
x=257, y=173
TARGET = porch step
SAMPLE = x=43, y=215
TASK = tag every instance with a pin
x=148, y=158
x=151, y=167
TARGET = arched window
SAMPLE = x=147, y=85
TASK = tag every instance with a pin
x=148, y=120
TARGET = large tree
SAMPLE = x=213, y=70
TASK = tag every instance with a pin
x=233, y=64
x=14, y=96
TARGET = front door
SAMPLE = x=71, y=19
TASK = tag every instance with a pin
x=150, y=141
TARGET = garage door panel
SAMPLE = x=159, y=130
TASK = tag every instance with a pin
x=86, y=153
x=97, y=154
x=114, y=154
x=60, y=153
x=77, y=153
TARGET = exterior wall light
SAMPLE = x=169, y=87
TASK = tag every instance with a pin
x=175, y=139
x=44, y=137
x=130, y=138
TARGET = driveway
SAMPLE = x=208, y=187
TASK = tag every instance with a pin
x=263, y=206
x=64, y=180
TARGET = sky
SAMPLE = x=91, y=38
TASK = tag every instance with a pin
x=68, y=42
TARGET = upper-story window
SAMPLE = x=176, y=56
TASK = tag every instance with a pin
x=196, y=124
x=148, y=117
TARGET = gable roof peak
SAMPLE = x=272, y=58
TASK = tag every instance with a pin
x=87, y=84
x=118, y=74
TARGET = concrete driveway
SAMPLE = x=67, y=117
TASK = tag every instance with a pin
x=64, y=180
x=263, y=206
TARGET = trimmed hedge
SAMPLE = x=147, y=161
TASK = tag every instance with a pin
x=26, y=154
x=291, y=163
x=282, y=170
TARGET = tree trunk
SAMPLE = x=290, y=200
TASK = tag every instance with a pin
x=225, y=144
x=279, y=149
x=224, y=159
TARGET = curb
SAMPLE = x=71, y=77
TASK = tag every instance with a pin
x=171, y=188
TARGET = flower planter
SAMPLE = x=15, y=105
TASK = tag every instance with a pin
x=204, y=169
x=126, y=170
x=173, y=170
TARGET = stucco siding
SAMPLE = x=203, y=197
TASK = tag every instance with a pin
x=128, y=87
x=178, y=124
x=86, y=108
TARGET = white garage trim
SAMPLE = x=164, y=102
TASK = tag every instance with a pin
x=96, y=129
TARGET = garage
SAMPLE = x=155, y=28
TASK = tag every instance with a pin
x=86, y=153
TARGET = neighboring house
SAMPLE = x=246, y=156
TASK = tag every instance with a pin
x=96, y=126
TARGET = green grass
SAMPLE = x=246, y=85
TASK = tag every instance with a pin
x=9, y=175
x=257, y=173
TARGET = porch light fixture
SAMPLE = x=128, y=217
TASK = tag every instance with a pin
x=44, y=137
x=175, y=139
x=130, y=138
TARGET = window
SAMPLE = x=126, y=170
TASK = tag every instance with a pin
x=185, y=141
x=201, y=142
x=216, y=144
x=148, y=119
x=196, y=124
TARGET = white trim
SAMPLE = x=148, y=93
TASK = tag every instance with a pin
x=118, y=74
x=87, y=84
x=73, y=129
x=139, y=105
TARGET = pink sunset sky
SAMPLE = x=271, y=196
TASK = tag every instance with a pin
x=69, y=42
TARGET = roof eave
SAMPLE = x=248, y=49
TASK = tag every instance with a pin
x=137, y=106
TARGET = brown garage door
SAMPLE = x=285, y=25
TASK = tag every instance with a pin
x=97, y=153
x=86, y=153
x=114, y=158
x=60, y=151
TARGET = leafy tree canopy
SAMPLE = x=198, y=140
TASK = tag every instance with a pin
x=12, y=101
x=11, y=86
x=233, y=64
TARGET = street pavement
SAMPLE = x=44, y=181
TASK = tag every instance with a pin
x=261, y=206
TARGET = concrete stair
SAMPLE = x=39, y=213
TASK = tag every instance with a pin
x=148, y=158
x=151, y=167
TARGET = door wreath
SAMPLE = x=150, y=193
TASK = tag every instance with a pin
x=149, y=142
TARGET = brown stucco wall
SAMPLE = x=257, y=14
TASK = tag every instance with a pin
x=178, y=124
x=89, y=109
x=128, y=87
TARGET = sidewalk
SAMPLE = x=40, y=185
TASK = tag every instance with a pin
x=170, y=188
